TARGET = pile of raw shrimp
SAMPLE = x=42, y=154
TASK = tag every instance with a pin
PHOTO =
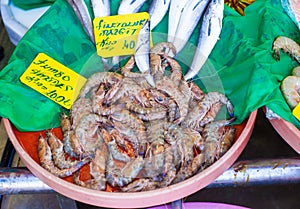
x=139, y=137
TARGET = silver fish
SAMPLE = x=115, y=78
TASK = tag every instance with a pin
x=157, y=11
x=130, y=6
x=209, y=34
x=82, y=13
x=142, y=52
x=101, y=8
x=176, y=7
x=189, y=19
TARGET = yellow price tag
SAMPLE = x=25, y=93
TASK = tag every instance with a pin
x=296, y=112
x=53, y=80
x=116, y=35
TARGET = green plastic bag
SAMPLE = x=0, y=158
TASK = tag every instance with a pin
x=32, y=4
x=241, y=65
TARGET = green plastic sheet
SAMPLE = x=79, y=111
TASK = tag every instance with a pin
x=241, y=65
x=32, y=4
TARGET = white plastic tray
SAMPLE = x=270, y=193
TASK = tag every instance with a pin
x=17, y=21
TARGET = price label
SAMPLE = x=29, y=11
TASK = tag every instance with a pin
x=296, y=112
x=53, y=80
x=116, y=35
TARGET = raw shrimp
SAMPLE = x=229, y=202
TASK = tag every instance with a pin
x=58, y=154
x=139, y=185
x=108, y=78
x=167, y=86
x=81, y=107
x=213, y=134
x=113, y=147
x=121, y=176
x=46, y=160
x=290, y=88
x=288, y=46
x=206, y=110
x=97, y=171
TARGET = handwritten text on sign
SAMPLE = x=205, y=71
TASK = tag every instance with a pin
x=116, y=35
x=53, y=80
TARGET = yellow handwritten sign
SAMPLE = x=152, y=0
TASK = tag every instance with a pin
x=116, y=35
x=53, y=80
x=296, y=112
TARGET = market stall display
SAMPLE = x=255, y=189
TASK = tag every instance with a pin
x=239, y=67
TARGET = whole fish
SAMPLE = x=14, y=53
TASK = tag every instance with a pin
x=142, y=52
x=80, y=9
x=101, y=8
x=157, y=11
x=176, y=7
x=130, y=6
x=209, y=34
x=189, y=19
